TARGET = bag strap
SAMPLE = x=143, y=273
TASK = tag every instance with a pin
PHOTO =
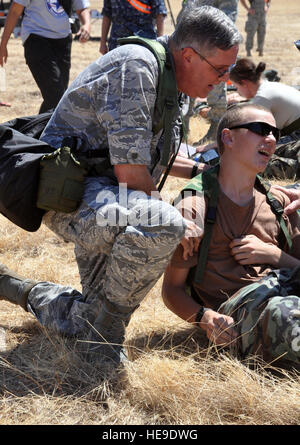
x=276, y=208
x=167, y=93
x=67, y=5
x=211, y=189
x=208, y=183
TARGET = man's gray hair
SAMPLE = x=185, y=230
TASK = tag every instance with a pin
x=205, y=28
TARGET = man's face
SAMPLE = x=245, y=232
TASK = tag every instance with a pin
x=251, y=150
x=199, y=75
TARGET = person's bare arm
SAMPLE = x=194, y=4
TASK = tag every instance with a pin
x=218, y=327
x=14, y=13
x=182, y=167
x=160, y=24
x=137, y=177
x=106, y=22
x=85, y=28
x=247, y=7
x=294, y=195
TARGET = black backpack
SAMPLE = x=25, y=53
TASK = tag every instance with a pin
x=20, y=156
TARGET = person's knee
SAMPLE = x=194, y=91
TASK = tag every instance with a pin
x=171, y=223
x=282, y=324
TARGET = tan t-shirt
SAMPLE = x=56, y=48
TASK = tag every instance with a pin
x=223, y=275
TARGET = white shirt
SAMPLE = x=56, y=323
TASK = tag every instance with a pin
x=282, y=100
x=47, y=18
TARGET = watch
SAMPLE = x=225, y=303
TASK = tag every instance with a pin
x=194, y=170
x=199, y=315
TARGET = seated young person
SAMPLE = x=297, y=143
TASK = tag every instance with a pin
x=249, y=292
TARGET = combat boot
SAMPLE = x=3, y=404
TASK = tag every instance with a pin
x=106, y=338
x=14, y=288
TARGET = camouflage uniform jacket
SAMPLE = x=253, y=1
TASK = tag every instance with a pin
x=111, y=106
x=130, y=17
x=229, y=7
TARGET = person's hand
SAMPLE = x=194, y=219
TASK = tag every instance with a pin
x=218, y=327
x=191, y=240
x=249, y=249
x=84, y=33
x=294, y=195
x=234, y=98
x=103, y=48
x=206, y=147
x=204, y=112
x=251, y=11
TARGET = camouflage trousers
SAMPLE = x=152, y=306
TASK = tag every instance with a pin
x=267, y=317
x=123, y=241
x=255, y=24
x=217, y=101
x=229, y=7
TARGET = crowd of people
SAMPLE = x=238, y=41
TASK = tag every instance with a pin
x=229, y=246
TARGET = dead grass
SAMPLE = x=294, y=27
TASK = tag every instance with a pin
x=175, y=377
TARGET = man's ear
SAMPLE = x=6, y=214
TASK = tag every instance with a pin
x=188, y=54
x=226, y=136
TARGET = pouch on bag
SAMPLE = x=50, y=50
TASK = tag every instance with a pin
x=61, y=183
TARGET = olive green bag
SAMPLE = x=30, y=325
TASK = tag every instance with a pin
x=61, y=183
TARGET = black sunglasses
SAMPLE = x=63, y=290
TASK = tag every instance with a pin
x=261, y=128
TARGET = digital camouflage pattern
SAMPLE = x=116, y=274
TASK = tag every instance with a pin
x=123, y=239
x=229, y=7
x=128, y=20
x=285, y=163
x=123, y=242
x=111, y=106
x=256, y=23
x=267, y=317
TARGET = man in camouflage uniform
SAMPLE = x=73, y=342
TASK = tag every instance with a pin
x=256, y=23
x=129, y=17
x=124, y=233
x=248, y=295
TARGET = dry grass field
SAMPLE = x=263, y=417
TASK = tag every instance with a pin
x=175, y=377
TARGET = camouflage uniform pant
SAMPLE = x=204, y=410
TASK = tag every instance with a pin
x=267, y=317
x=217, y=101
x=255, y=24
x=123, y=243
x=285, y=163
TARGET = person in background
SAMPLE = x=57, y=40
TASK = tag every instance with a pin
x=124, y=18
x=284, y=102
x=256, y=23
x=47, y=41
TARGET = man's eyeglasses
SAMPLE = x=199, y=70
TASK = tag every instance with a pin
x=260, y=128
x=221, y=73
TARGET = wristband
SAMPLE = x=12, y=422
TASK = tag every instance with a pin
x=195, y=169
x=199, y=315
